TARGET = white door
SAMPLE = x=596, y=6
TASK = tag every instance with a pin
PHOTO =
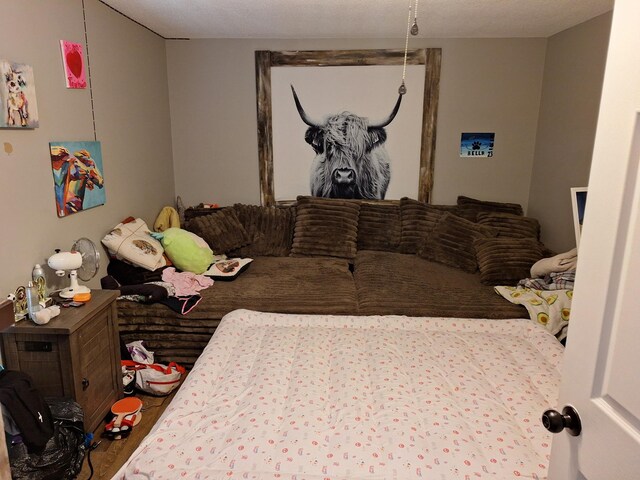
x=601, y=375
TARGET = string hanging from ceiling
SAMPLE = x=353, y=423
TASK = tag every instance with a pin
x=413, y=30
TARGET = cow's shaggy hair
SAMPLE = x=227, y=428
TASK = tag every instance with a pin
x=345, y=141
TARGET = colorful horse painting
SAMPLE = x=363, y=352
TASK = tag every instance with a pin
x=73, y=175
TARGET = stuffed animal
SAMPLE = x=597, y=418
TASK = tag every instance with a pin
x=187, y=251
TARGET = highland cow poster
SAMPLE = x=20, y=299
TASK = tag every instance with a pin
x=345, y=132
x=17, y=96
x=77, y=176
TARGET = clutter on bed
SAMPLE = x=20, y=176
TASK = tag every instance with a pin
x=131, y=241
x=323, y=396
x=228, y=269
x=347, y=257
x=167, y=218
x=550, y=308
x=186, y=250
x=548, y=292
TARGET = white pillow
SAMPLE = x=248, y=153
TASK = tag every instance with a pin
x=132, y=243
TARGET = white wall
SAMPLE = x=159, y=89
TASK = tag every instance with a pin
x=130, y=97
x=573, y=73
x=487, y=85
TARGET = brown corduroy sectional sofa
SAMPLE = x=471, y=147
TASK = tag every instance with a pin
x=326, y=256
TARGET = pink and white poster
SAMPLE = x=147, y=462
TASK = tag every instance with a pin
x=74, y=71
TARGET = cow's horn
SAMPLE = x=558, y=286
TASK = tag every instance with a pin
x=390, y=118
x=303, y=115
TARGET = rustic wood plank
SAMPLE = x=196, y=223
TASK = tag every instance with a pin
x=429, y=123
x=265, y=131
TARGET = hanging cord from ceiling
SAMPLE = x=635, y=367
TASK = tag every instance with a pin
x=413, y=29
x=86, y=44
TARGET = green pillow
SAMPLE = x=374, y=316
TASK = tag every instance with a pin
x=187, y=251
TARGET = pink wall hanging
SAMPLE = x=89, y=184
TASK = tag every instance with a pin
x=74, y=70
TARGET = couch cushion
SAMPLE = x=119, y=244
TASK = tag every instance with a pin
x=451, y=242
x=510, y=225
x=270, y=230
x=379, y=227
x=392, y=283
x=325, y=227
x=418, y=220
x=504, y=260
x=470, y=207
x=221, y=230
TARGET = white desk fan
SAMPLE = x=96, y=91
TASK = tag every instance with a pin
x=82, y=260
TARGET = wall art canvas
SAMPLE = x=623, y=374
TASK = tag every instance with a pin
x=77, y=176
x=17, y=96
x=477, y=144
x=73, y=61
x=331, y=123
x=344, y=137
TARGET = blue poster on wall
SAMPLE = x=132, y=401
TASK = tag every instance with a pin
x=477, y=144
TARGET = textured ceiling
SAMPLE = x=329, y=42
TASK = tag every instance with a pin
x=357, y=18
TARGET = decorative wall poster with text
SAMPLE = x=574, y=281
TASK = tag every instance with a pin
x=73, y=61
x=18, y=105
x=477, y=144
x=77, y=176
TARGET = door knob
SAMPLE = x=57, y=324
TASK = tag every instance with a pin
x=85, y=383
x=556, y=422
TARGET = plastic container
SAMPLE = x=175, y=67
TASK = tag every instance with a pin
x=40, y=281
x=33, y=304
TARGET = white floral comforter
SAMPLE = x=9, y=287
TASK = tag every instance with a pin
x=381, y=397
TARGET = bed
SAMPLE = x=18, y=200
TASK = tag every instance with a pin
x=379, y=397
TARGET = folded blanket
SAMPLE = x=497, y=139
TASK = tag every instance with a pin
x=551, y=309
x=562, y=262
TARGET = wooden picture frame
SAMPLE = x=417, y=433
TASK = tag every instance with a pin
x=265, y=59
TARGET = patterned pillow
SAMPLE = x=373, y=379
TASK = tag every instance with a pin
x=325, y=227
x=470, y=207
x=270, y=230
x=221, y=230
x=509, y=225
x=451, y=242
x=379, y=227
x=418, y=220
x=505, y=261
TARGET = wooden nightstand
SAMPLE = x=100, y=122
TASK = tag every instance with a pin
x=75, y=355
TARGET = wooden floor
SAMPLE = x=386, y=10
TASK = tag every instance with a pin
x=112, y=454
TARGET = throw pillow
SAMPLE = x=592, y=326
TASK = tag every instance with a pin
x=270, y=230
x=379, y=227
x=325, y=227
x=221, y=230
x=470, y=207
x=509, y=225
x=132, y=242
x=451, y=242
x=418, y=221
x=505, y=261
